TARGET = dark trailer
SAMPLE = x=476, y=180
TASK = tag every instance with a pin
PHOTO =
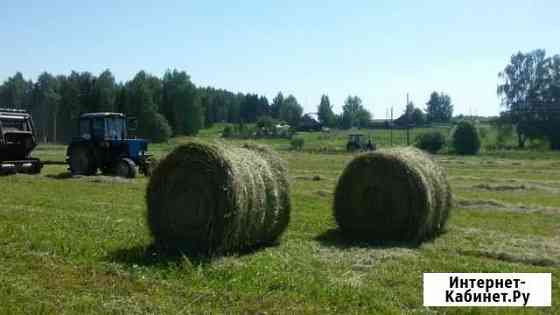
x=17, y=141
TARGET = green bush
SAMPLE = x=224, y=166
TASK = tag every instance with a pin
x=297, y=144
x=466, y=140
x=483, y=132
x=243, y=131
x=228, y=132
x=431, y=141
x=160, y=130
x=504, y=135
x=266, y=122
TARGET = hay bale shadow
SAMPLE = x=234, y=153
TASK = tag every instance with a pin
x=314, y=178
x=337, y=238
x=63, y=175
x=151, y=255
x=90, y=179
x=154, y=255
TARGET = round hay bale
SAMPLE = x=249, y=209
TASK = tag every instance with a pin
x=392, y=195
x=216, y=198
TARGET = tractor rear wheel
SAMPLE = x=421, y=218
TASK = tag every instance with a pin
x=125, y=168
x=81, y=161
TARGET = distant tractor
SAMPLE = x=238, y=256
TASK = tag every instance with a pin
x=357, y=142
x=103, y=144
x=17, y=141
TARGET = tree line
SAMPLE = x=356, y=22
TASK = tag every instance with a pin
x=530, y=93
x=168, y=106
x=173, y=105
x=439, y=109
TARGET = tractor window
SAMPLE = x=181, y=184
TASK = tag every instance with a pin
x=115, y=128
x=14, y=124
x=84, y=129
x=99, y=128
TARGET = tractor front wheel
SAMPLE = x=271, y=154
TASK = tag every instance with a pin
x=125, y=168
x=81, y=161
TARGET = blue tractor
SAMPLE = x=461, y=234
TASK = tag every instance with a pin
x=103, y=144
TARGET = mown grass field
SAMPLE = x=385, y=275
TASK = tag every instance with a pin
x=82, y=245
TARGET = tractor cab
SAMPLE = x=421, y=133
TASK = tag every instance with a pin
x=103, y=144
x=358, y=142
x=103, y=126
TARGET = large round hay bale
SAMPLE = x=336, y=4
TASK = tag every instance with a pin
x=217, y=198
x=392, y=195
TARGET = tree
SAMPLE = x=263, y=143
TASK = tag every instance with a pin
x=140, y=103
x=439, y=108
x=363, y=118
x=291, y=111
x=530, y=91
x=277, y=102
x=70, y=106
x=181, y=104
x=160, y=131
x=194, y=117
x=253, y=107
x=104, y=92
x=47, y=97
x=345, y=120
x=16, y=92
x=412, y=116
x=86, y=81
x=418, y=117
x=354, y=113
x=264, y=107
x=325, y=112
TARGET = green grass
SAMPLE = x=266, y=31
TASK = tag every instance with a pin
x=82, y=245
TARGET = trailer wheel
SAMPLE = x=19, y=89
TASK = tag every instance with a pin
x=37, y=167
x=81, y=161
x=125, y=168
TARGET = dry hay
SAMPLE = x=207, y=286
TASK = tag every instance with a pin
x=493, y=205
x=504, y=184
x=323, y=193
x=103, y=179
x=518, y=186
x=216, y=198
x=392, y=195
x=314, y=178
x=503, y=187
x=362, y=258
x=529, y=250
x=479, y=203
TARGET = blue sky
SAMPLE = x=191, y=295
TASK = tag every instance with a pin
x=378, y=50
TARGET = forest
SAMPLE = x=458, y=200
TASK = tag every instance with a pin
x=173, y=105
x=163, y=107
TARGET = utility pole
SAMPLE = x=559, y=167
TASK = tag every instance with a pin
x=391, y=126
x=407, y=122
